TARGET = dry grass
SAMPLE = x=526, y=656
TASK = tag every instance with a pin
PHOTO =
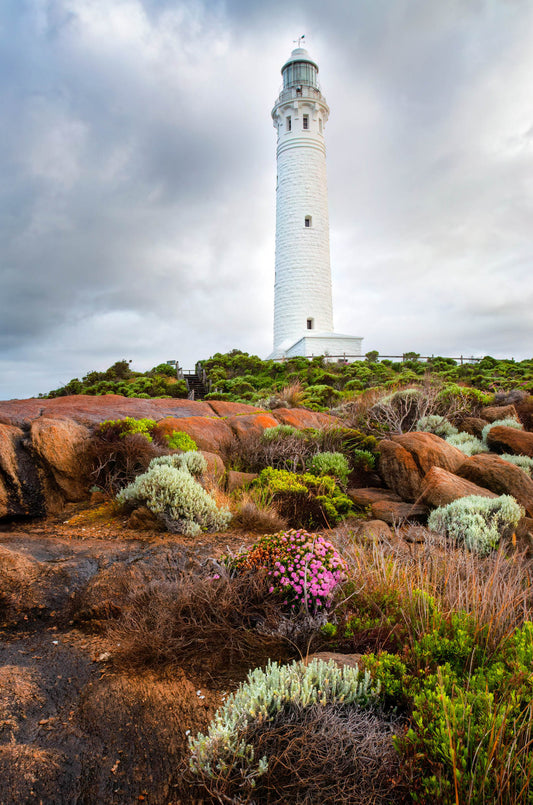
x=329, y=755
x=252, y=515
x=215, y=628
x=497, y=590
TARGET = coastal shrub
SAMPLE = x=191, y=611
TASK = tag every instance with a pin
x=334, y=464
x=467, y=444
x=181, y=502
x=179, y=440
x=477, y=522
x=400, y=411
x=119, y=450
x=224, y=757
x=524, y=462
x=364, y=459
x=505, y=423
x=304, y=569
x=303, y=499
x=192, y=461
x=436, y=424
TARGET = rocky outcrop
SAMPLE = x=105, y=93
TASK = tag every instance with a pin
x=500, y=476
x=386, y=505
x=210, y=434
x=430, y=451
x=302, y=418
x=60, y=445
x=238, y=480
x=510, y=440
x=244, y=426
x=473, y=425
x=494, y=412
x=441, y=487
x=399, y=470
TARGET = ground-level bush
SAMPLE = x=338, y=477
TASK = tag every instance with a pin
x=119, y=450
x=304, y=500
x=477, y=522
x=467, y=444
x=334, y=464
x=180, y=501
x=304, y=569
x=236, y=755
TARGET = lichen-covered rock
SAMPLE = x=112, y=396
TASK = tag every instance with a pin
x=430, y=451
x=244, y=426
x=440, y=487
x=494, y=412
x=302, y=418
x=510, y=440
x=60, y=445
x=237, y=480
x=399, y=470
x=396, y=513
x=209, y=433
x=500, y=476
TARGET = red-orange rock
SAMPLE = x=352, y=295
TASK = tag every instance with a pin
x=441, y=487
x=500, y=476
x=473, y=425
x=209, y=433
x=88, y=410
x=430, y=451
x=237, y=480
x=493, y=412
x=368, y=495
x=20, y=485
x=302, y=418
x=224, y=408
x=396, y=513
x=60, y=445
x=398, y=469
x=244, y=426
x=216, y=470
x=510, y=440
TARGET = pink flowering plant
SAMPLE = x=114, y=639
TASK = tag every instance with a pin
x=304, y=568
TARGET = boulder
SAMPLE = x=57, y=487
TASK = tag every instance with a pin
x=395, y=513
x=493, y=412
x=375, y=531
x=302, y=418
x=210, y=434
x=510, y=440
x=399, y=470
x=237, y=480
x=473, y=425
x=20, y=484
x=223, y=408
x=60, y=445
x=430, y=451
x=368, y=495
x=500, y=476
x=441, y=487
x=216, y=470
x=244, y=426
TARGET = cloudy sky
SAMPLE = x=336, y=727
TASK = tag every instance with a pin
x=137, y=193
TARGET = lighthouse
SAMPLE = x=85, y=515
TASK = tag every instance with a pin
x=303, y=310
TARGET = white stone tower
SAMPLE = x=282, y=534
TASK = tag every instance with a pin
x=303, y=312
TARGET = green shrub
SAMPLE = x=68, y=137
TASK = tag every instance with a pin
x=334, y=464
x=436, y=424
x=364, y=459
x=505, y=423
x=280, y=432
x=192, y=461
x=305, y=500
x=179, y=440
x=524, y=462
x=467, y=444
x=477, y=522
x=304, y=568
x=123, y=427
x=265, y=693
x=180, y=501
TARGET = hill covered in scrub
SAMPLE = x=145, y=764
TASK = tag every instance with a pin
x=311, y=383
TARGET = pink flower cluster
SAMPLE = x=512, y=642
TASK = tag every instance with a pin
x=307, y=568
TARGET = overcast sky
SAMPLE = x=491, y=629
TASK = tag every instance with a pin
x=137, y=194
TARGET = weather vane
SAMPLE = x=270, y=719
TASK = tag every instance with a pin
x=300, y=39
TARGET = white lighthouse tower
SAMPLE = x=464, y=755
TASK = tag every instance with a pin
x=303, y=312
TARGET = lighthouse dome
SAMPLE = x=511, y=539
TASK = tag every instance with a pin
x=300, y=69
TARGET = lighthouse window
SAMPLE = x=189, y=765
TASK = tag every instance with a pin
x=320, y=125
x=306, y=121
x=289, y=124
x=308, y=221
x=309, y=324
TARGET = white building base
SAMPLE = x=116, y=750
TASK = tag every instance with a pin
x=333, y=346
